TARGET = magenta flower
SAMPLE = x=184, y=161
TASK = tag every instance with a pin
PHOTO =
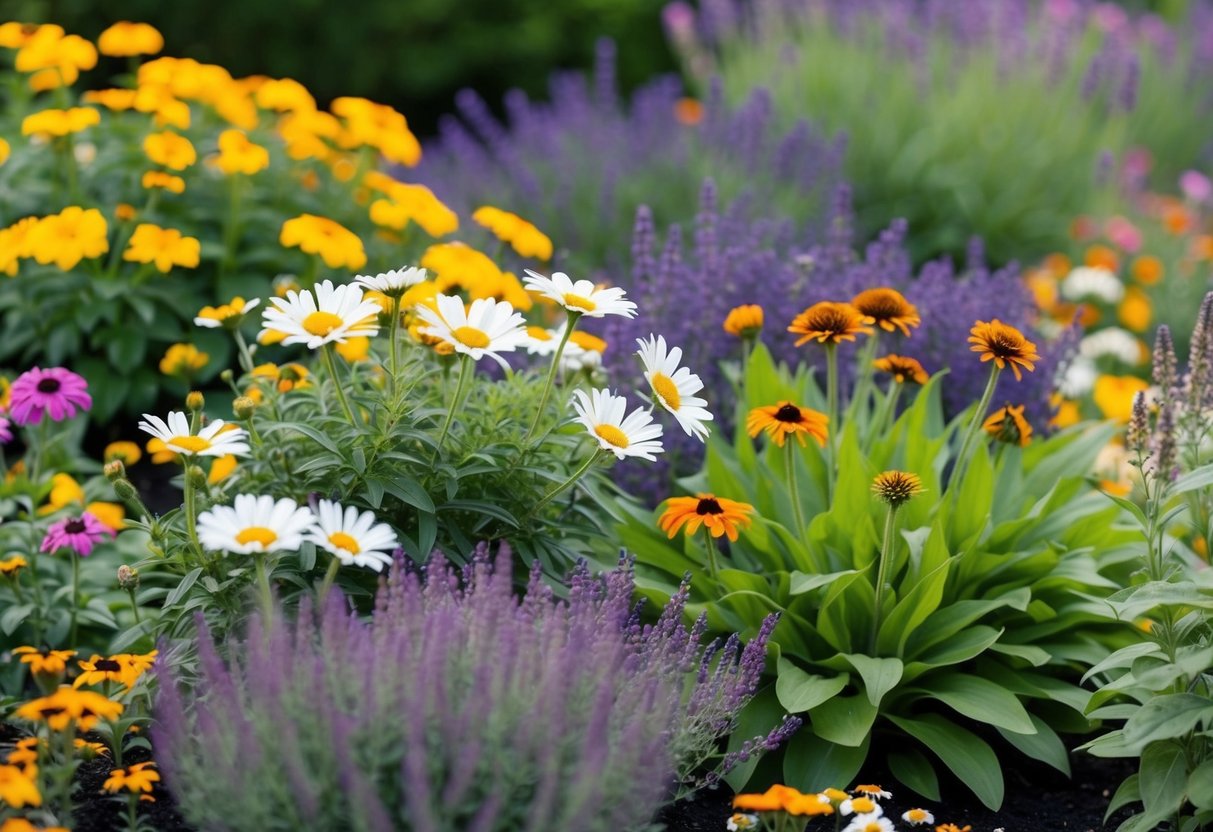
x=1195, y=185
x=58, y=392
x=80, y=534
x=6, y=432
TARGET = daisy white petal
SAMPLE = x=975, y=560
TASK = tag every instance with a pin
x=603, y=415
x=353, y=538
x=486, y=328
x=582, y=296
x=870, y=822
x=218, y=438
x=391, y=283
x=332, y=314
x=674, y=387
x=255, y=524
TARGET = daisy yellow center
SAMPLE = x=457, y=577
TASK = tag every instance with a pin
x=190, y=444
x=872, y=826
x=256, y=534
x=612, y=435
x=472, y=337
x=665, y=387
x=322, y=323
x=343, y=541
x=579, y=302
x=917, y=815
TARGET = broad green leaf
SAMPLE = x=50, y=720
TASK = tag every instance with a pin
x=914, y=770
x=981, y=700
x=1044, y=745
x=1191, y=481
x=756, y=719
x=802, y=582
x=13, y=617
x=1200, y=785
x=812, y=764
x=879, y=675
x=1126, y=793
x=179, y=591
x=846, y=720
x=911, y=610
x=799, y=691
x=968, y=757
x=1166, y=717
x=1163, y=778
x=961, y=647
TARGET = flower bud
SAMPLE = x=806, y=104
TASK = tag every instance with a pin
x=114, y=470
x=197, y=476
x=125, y=490
x=227, y=376
x=194, y=401
x=243, y=407
x=128, y=577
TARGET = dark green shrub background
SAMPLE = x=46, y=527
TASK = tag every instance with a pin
x=413, y=54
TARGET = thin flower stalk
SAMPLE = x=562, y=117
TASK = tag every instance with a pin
x=570, y=325
x=465, y=376
x=979, y=417
x=560, y=489
x=794, y=488
x=330, y=364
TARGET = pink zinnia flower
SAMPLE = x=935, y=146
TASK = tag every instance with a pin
x=1124, y=235
x=57, y=392
x=1195, y=185
x=80, y=534
x=6, y=433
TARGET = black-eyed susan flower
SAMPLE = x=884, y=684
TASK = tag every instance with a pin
x=902, y=368
x=66, y=706
x=163, y=247
x=624, y=434
x=12, y=565
x=485, y=328
x=17, y=788
x=44, y=661
x=720, y=516
x=335, y=244
x=239, y=155
x=354, y=538
x=674, y=387
x=510, y=228
x=228, y=315
x=830, y=323
x=23, y=825
x=580, y=297
x=99, y=669
x=170, y=150
x=1007, y=424
x=917, y=817
x=888, y=309
x=1004, y=345
x=127, y=452
x=139, y=778
x=896, y=488
x=215, y=439
x=744, y=321
x=125, y=39
x=183, y=361
x=255, y=524
x=786, y=419
x=330, y=313
x=59, y=122
x=68, y=237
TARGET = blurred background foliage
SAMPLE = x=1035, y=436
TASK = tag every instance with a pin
x=412, y=54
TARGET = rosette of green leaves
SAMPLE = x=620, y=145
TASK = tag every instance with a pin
x=988, y=609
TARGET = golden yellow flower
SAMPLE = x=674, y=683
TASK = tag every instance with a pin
x=49, y=48
x=1102, y=257
x=65, y=491
x=888, y=309
x=902, y=368
x=227, y=315
x=897, y=487
x=334, y=243
x=1004, y=345
x=718, y=515
x=503, y=286
x=775, y=799
x=1114, y=395
x=59, y=122
x=14, y=35
x=183, y=361
x=239, y=155
x=111, y=515
x=1135, y=310
x=829, y=323
x=167, y=181
x=784, y=419
x=357, y=348
x=522, y=236
x=169, y=149
x=455, y=265
x=68, y=237
x=45, y=662
x=744, y=321
x=1067, y=413
x=5, y=151
x=377, y=125
x=413, y=203
x=587, y=341
x=139, y=778
x=1008, y=424
x=165, y=247
x=12, y=564
x=125, y=668
x=17, y=788
x=112, y=99
x=221, y=469
x=284, y=95
x=125, y=39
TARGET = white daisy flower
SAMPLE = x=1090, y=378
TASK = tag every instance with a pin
x=353, y=538
x=874, y=792
x=674, y=387
x=212, y=440
x=860, y=805
x=542, y=341
x=576, y=358
x=1078, y=379
x=870, y=822
x=392, y=283
x=487, y=327
x=603, y=415
x=254, y=524
x=581, y=297
x=229, y=315
x=1087, y=282
x=917, y=817
x=1114, y=341
x=740, y=821
x=333, y=313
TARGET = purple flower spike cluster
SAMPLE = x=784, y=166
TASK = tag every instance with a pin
x=457, y=705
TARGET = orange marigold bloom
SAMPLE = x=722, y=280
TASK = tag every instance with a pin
x=784, y=419
x=829, y=323
x=49, y=662
x=1147, y=269
x=718, y=515
x=1102, y=257
x=125, y=39
x=688, y=111
x=902, y=368
x=744, y=321
x=239, y=155
x=888, y=309
x=1007, y=424
x=333, y=242
x=170, y=149
x=140, y=777
x=808, y=805
x=1004, y=345
x=774, y=799
x=522, y=236
x=1177, y=220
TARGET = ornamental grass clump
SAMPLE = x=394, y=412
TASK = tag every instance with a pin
x=456, y=705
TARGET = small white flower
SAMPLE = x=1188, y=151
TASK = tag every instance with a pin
x=1113, y=341
x=393, y=282
x=576, y=358
x=674, y=387
x=741, y=821
x=870, y=822
x=1092, y=282
x=1078, y=378
x=606, y=419
x=332, y=314
x=866, y=806
x=874, y=792
x=212, y=440
x=581, y=296
x=228, y=315
x=254, y=524
x=353, y=538
x=917, y=817
x=542, y=341
x=487, y=327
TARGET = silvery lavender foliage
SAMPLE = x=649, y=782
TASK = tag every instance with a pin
x=457, y=705
x=579, y=165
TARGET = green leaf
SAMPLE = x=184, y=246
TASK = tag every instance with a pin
x=911, y=611
x=981, y=700
x=879, y=675
x=1163, y=778
x=410, y=492
x=968, y=757
x=14, y=616
x=1126, y=793
x=846, y=720
x=179, y=591
x=799, y=691
x=914, y=770
x=1166, y=717
x=1200, y=785
x=812, y=764
x=803, y=582
x=1044, y=745
x=1200, y=478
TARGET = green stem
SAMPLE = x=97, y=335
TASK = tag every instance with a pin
x=886, y=555
x=460, y=389
x=962, y=459
x=134, y=606
x=330, y=575
x=331, y=366
x=71, y=641
x=832, y=413
x=555, y=492
x=393, y=346
x=191, y=510
x=794, y=488
x=547, y=387
x=710, y=545
x=246, y=357
x=263, y=585
x=132, y=818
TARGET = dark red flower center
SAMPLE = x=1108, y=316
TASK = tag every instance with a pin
x=788, y=413
x=708, y=505
x=49, y=385
x=75, y=527
x=108, y=665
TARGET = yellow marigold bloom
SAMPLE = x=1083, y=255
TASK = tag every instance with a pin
x=1147, y=269
x=829, y=323
x=168, y=111
x=12, y=564
x=334, y=243
x=355, y=349
x=239, y=155
x=503, y=286
x=1114, y=395
x=422, y=293
x=456, y=265
x=902, y=368
x=49, y=48
x=227, y=315
x=183, y=360
x=5, y=151
x=1007, y=424
x=139, y=778
x=744, y=321
x=1102, y=257
x=160, y=454
x=64, y=492
x=165, y=247
x=379, y=126
x=414, y=203
x=1043, y=286
x=888, y=309
x=897, y=487
x=68, y=237
x=221, y=469
x=808, y=805
x=784, y=419
x=522, y=236
x=112, y=99
x=125, y=39
x=172, y=150
x=718, y=515
x=1067, y=414
x=111, y=515
x=14, y=35
x=17, y=789
x=167, y=181
x=587, y=341
x=284, y=95
x=44, y=662
x=774, y=799
x=1004, y=345
x=836, y=795
x=1135, y=310
x=125, y=212
x=59, y=122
